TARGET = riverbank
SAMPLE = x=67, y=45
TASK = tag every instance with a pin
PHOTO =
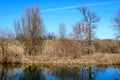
x=12, y=51
x=92, y=59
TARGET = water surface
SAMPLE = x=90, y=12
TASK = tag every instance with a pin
x=59, y=73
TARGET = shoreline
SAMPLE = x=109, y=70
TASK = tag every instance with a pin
x=92, y=59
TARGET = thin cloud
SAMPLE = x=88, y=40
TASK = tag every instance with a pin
x=72, y=7
x=68, y=7
x=102, y=3
x=57, y=9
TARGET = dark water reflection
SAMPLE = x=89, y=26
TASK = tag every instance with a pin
x=59, y=73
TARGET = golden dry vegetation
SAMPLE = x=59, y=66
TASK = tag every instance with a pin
x=54, y=51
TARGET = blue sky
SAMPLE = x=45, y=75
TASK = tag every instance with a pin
x=55, y=12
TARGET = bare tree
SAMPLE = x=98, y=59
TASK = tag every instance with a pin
x=116, y=23
x=90, y=19
x=62, y=31
x=30, y=25
x=29, y=29
x=79, y=31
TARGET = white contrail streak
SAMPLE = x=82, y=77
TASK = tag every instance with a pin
x=72, y=7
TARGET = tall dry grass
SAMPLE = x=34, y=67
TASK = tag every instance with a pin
x=54, y=51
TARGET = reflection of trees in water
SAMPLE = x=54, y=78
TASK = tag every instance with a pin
x=3, y=73
x=33, y=73
x=86, y=73
x=29, y=73
x=7, y=73
x=67, y=73
x=73, y=73
x=116, y=75
x=61, y=73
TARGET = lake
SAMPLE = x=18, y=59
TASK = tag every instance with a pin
x=55, y=72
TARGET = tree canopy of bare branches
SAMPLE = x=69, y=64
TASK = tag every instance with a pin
x=62, y=31
x=90, y=19
x=79, y=31
x=29, y=30
x=116, y=23
x=30, y=25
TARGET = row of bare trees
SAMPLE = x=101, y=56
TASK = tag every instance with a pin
x=84, y=30
x=30, y=30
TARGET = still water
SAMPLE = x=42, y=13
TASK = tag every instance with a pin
x=50, y=72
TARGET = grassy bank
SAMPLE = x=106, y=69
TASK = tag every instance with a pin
x=14, y=52
x=93, y=59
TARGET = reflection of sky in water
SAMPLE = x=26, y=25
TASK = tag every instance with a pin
x=12, y=74
x=52, y=78
x=97, y=74
x=109, y=73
